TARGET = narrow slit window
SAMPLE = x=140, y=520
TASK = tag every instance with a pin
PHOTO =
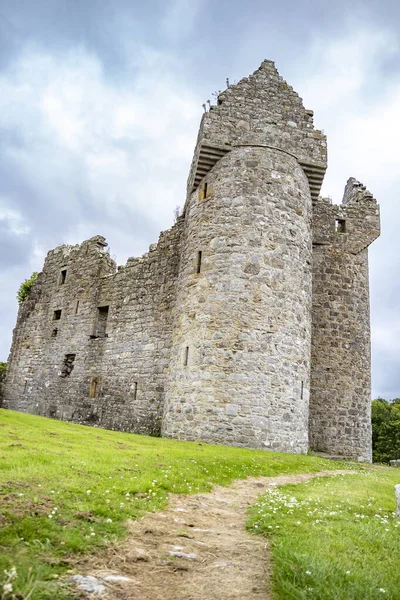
x=135, y=386
x=102, y=317
x=57, y=315
x=340, y=226
x=186, y=357
x=63, y=276
x=68, y=365
x=302, y=390
x=198, y=262
x=205, y=190
x=25, y=386
x=77, y=307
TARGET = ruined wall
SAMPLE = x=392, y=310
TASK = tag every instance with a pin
x=93, y=365
x=340, y=402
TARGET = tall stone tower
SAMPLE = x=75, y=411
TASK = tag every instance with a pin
x=240, y=364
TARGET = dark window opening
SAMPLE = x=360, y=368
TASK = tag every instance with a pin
x=57, y=315
x=204, y=191
x=340, y=226
x=77, y=307
x=186, y=357
x=302, y=390
x=94, y=386
x=135, y=390
x=68, y=365
x=198, y=264
x=63, y=276
x=25, y=386
x=102, y=316
x=54, y=332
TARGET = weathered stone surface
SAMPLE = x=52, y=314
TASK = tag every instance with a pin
x=247, y=324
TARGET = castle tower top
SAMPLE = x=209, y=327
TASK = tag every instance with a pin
x=260, y=110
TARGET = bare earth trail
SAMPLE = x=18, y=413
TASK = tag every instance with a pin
x=220, y=559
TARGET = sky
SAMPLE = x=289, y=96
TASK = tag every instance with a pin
x=100, y=103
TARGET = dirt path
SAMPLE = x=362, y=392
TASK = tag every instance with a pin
x=213, y=557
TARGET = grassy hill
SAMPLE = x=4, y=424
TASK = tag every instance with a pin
x=68, y=489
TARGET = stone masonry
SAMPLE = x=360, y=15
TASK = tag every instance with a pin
x=247, y=324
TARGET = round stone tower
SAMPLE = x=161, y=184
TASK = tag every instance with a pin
x=240, y=364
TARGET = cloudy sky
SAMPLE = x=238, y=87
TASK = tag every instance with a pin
x=100, y=102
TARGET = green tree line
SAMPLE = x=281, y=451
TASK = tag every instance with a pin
x=385, y=430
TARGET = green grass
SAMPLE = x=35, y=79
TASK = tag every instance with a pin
x=333, y=539
x=68, y=489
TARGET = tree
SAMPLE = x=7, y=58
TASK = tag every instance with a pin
x=25, y=287
x=385, y=430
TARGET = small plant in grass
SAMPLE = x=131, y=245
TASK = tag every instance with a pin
x=25, y=287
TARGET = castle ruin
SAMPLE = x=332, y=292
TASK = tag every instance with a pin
x=247, y=324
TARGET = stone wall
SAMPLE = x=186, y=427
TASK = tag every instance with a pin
x=340, y=403
x=89, y=364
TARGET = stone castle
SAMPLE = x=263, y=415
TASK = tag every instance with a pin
x=247, y=324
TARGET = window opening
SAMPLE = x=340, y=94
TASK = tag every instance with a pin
x=340, y=226
x=25, y=385
x=135, y=390
x=77, y=307
x=54, y=332
x=302, y=390
x=102, y=316
x=68, y=365
x=186, y=358
x=63, y=276
x=205, y=189
x=94, y=386
x=57, y=315
x=198, y=264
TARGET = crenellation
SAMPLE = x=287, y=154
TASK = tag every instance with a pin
x=247, y=323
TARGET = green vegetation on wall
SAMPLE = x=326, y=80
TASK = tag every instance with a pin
x=25, y=287
x=385, y=430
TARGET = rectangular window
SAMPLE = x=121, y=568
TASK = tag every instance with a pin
x=102, y=316
x=57, y=315
x=68, y=365
x=77, y=307
x=134, y=390
x=302, y=390
x=198, y=263
x=186, y=357
x=94, y=386
x=63, y=276
x=204, y=191
x=54, y=332
x=340, y=226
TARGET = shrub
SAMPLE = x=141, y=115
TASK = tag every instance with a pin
x=3, y=368
x=25, y=287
